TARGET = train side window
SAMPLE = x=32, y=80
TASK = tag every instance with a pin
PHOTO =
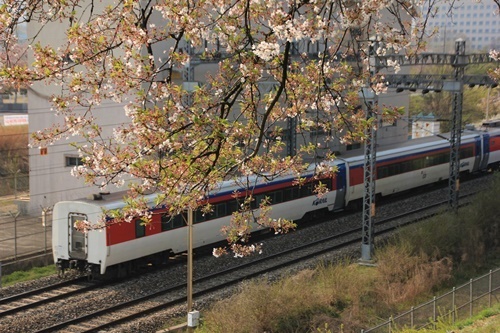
x=382, y=172
x=291, y=193
x=140, y=228
x=305, y=190
x=467, y=152
x=418, y=164
x=167, y=222
x=220, y=210
x=199, y=216
x=232, y=206
x=178, y=220
x=278, y=197
x=390, y=170
x=427, y=162
x=446, y=158
x=397, y=168
x=405, y=167
x=257, y=200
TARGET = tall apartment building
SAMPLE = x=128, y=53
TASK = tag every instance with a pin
x=477, y=23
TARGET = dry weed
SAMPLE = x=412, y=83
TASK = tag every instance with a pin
x=405, y=273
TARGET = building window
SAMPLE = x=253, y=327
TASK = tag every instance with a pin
x=73, y=161
x=353, y=146
x=43, y=150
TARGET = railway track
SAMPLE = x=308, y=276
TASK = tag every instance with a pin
x=175, y=295
x=126, y=312
x=33, y=298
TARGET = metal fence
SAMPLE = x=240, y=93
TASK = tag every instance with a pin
x=459, y=304
x=22, y=235
x=14, y=184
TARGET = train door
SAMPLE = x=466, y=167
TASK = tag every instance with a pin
x=484, y=152
x=77, y=246
x=339, y=185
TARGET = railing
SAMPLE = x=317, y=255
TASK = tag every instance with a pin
x=460, y=303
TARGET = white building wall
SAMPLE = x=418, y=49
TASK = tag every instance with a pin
x=50, y=179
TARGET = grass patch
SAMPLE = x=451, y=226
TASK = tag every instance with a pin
x=32, y=274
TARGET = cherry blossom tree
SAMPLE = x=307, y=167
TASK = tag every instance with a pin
x=274, y=60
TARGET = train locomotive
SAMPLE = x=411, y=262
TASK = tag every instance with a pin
x=120, y=247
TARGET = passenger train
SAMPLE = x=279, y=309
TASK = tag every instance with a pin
x=120, y=247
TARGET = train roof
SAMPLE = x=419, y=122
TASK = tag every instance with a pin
x=115, y=200
x=424, y=143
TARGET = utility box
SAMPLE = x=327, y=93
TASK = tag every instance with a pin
x=193, y=318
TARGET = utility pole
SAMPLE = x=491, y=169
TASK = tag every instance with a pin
x=190, y=85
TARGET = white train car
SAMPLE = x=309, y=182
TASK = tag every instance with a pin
x=120, y=247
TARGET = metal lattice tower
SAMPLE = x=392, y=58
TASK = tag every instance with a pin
x=459, y=64
x=369, y=163
x=369, y=185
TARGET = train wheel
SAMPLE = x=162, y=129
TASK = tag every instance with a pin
x=92, y=271
x=60, y=270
